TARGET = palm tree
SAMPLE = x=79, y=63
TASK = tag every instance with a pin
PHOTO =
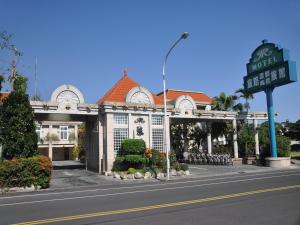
x=246, y=95
x=223, y=102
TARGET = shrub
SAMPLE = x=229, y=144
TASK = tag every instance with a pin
x=76, y=151
x=123, y=163
x=135, y=161
x=149, y=169
x=176, y=166
x=148, y=153
x=119, y=164
x=133, y=147
x=154, y=160
x=283, y=146
x=184, y=167
x=24, y=172
x=173, y=159
x=131, y=171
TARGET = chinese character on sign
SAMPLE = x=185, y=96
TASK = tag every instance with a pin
x=281, y=72
x=268, y=81
x=255, y=81
x=274, y=75
x=249, y=83
x=262, y=83
x=261, y=76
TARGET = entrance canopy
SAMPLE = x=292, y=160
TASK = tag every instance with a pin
x=66, y=104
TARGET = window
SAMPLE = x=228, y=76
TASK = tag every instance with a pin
x=157, y=120
x=120, y=119
x=38, y=131
x=158, y=139
x=63, y=132
x=119, y=135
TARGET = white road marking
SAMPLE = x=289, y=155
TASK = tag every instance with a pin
x=143, y=186
x=198, y=168
x=143, y=191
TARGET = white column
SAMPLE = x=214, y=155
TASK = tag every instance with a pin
x=150, y=131
x=109, y=141
x=130, y=126
x=100, y=136
x=50, y=150
x=209, y=148
x=235, y=144
x=256, y=138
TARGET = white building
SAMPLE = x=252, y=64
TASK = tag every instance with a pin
x=127, y=110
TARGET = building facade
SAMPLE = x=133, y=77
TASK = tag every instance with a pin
x=127, y=110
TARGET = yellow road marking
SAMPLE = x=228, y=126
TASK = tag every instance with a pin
x=160, y=206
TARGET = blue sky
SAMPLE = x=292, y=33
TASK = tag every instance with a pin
x=89, y=43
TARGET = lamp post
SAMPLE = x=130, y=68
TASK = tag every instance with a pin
x=183, y=36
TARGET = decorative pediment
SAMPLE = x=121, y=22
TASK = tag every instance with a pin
x=67, y=97
x=139, y=95
x=185, y=102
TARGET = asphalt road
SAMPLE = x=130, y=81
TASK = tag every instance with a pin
x=253, y=199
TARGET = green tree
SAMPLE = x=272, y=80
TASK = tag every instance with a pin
x=283, y=143
x=177, y=142
x=245, y=95
x=294, y=130
x=283, y=146
x=246, y=140
x=223, y=102
x=18, y=137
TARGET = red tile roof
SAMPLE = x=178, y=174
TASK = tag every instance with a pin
x=3, y=95
x=119, y=91
x=198, y=97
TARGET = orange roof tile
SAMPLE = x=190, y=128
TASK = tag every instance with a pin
x=197, y=96
x=3, y=95
x=119, y=91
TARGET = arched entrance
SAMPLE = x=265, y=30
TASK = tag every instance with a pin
x=60, y=121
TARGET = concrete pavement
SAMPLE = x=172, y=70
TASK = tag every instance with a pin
x=76, y=178
x=274, y=200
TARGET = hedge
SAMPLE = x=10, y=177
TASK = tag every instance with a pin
x=123, y=163
x=25, y=172
x=133, y=147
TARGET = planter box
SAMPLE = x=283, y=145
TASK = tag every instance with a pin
x=249, y=160
x=279, y=162
x=237, y=161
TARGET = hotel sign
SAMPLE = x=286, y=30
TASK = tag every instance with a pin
x=269, y=67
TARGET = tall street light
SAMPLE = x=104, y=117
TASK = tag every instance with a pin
x=183, y=36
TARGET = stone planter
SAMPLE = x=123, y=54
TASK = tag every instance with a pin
x=249, y=160
x=237, y=161
x=279, y=162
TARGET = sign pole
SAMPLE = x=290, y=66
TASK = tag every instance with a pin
x=272, y=132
